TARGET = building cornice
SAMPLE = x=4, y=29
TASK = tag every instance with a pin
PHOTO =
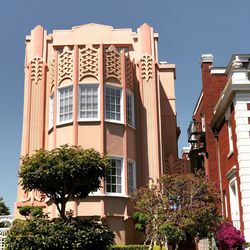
x=225, y=100
x=198, y=103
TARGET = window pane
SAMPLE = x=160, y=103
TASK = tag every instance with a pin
x=130, y=109
x=113, y=103
x=88, y=106
x=65, y=104
x=114, y=178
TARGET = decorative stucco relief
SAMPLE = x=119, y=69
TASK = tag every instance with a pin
x=129, y=72
x=88, y=62
x=32, y=196
x=52, y=73
x=113, y=63
x=65, y=65
x=36, y=69
x=147, y=67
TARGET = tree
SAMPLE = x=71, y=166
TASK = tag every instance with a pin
x=37, y=233
x=4, y=210
x=64, y=173
x=178, y=205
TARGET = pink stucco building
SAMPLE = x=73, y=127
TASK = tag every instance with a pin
x=104, y=88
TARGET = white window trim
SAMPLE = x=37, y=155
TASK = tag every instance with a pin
x=122, y=178
x=128, y=92
x=98, y=106
x=134, y=174
x=58, y=106
x=51, y=110
x=234, y=200
x=230, y=138
x=121, y=104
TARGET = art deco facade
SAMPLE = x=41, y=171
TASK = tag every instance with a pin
x=103, y=88
x=220, y=135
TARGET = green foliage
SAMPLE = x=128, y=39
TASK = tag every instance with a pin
x=175, y=206
x=64, y=173
x=31, y=211
x=69, y=233
x=142, y=220
x=4, y=210
x=135, y=247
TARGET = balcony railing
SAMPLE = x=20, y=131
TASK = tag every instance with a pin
x=195, y=132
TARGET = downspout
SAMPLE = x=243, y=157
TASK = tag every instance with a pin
x=219, y=170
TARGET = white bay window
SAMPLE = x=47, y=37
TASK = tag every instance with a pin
x=131, y=177
x=130, y=108
x=51, y=111
x=89, y=102
x=65, y=105
x=113, y=104
x=114, y=179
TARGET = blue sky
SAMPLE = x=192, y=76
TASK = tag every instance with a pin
x=187, y=28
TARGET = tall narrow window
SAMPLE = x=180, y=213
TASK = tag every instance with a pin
x=88, y=102
x=113, y=103
x=114, y=177
x=51, y=111
x=131, y=177
x=230, y=137
x=65, y=113
x=234, y=204
x=130, y=109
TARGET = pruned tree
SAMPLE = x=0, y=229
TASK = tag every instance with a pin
x=178, y=205
x=64, y=173
x=4, y=210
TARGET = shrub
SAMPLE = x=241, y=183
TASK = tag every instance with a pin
x=228, y=237
x=70, y=233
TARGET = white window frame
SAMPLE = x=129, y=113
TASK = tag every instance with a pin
x=134, y=176
x=230, y=136
x=122, y=179
x=98, y=101
x=130, y=94
x=234, y=202
x=121, y=121
x=58, y=105
x=51, y=110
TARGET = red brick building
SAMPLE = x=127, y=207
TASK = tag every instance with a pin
x=220, y=135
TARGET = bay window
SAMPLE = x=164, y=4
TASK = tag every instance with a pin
x=113, y=103
x=114, y=183
x=65, y=104
x=51, y=111
x=130, y=108
x=131, y=177
x=89, y=102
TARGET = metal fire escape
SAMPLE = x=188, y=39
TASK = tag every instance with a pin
x=196, y=137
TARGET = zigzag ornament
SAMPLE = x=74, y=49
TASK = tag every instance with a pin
x=88, y=62
x=36, y=69
x=52, y=73
x=113, y=63
x=65, y=67
x=147, y=67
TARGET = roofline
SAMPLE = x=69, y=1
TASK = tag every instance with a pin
x=198, y=102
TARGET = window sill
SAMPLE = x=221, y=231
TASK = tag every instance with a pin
x=61, y=124
x=230, y=154
x=88, y=120
x=114, y=121
x=111, y=195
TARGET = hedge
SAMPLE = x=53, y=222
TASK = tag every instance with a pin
x=134, y=247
